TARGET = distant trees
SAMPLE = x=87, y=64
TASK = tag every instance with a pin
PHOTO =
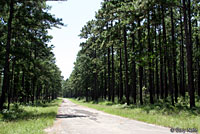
x=139, y=49
x=27, y=64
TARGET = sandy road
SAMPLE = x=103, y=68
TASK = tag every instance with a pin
x=75, y=119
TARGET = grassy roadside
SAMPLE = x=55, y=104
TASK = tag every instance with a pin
x=162, y=115
x=28, y=119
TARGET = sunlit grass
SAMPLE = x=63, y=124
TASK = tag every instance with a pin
x=28, y=119
x=163, y=115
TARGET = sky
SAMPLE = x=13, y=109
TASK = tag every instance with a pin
x=75, y=14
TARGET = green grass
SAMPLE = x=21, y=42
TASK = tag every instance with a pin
x=23, y=119
x=163, y=115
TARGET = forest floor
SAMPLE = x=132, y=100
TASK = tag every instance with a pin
x=76, y=119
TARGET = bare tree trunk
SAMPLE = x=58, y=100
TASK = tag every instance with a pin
x=126, y=68
x=113, y=75
x=121, y=79
x=134, y=72
x=170, y=60
x=23, y=84
x=190, y=55
x=6, y=79
x=140, y=66
x=161, y=61
x=161, y=67
x=156, y=73
x=109, y=86
x=105, y=79
x=11, y=85
x=182, y=66
x=188, y=35
x=150, y=65
x=198, y=60
x=174, y=61
x=95, y=79
x=165, y=53
x=0, y=80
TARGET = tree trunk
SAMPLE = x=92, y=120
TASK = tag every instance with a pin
x=126, y=68
x=140, y=66
x=33, y=89
x=109, y=86
x=134, y=71
x=190, y=55
x=105, y=79
x=174, y=58
x=102, y=86
x=199, y=79
x=150, y=60
x=34, y=84
x=86, y=93
x=95, y=80
x=11, y=85
x=0, y=80
x=182, y=66
x=156, y=73
x=188, y=34
x=113, y=75
x=6, y=79
x=165, y=52
x=23, y=85
x=161, y=67
x=16, y=87
x=198, y=60
x=38, y=93
x=169, y=62
x=121, y=77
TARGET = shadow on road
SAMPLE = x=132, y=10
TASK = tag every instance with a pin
x=69, y=116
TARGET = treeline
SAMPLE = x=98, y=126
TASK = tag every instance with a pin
x=28, y=73
x=144, y=51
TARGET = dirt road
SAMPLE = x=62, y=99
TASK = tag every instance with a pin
x=75, y=119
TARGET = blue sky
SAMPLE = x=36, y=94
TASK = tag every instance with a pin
x=75, y=14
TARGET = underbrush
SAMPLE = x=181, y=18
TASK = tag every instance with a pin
x=28, y=119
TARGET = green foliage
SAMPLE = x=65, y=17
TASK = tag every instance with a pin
x=151, y=35
x=33, y=72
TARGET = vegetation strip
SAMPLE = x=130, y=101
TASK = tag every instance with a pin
x=162, y=115
x=28, y=119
